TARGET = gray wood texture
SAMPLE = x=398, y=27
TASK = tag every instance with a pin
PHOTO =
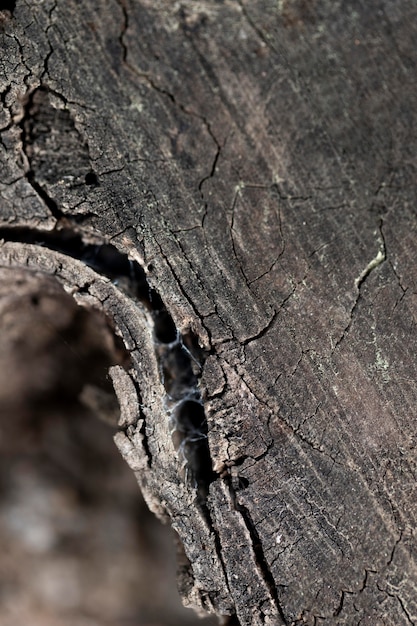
x=256, y=162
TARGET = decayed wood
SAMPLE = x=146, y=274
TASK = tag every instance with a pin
x=256, y=162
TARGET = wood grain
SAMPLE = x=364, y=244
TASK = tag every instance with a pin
x=257, y=160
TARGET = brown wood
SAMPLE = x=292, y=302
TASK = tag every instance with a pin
x=256, y=162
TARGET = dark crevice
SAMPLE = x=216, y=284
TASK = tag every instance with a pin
x=164, y=328
x=340, y=607
x=192, y=339
x=404, y=609
x=51, y=50
x=8, y=5
x=205, y=512
x=91, y=179
x=127, y=430
x=179, y=356
x=145, y=444
x=3, y=100
x=215, y=160
x=262, y=332
x=125, y=26
x=391, y=558
x=50, y=203
x=380, y=258
x=258, y=551
x=242, y=483
x=189, y=426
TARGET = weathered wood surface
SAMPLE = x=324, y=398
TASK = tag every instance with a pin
x=258, y=161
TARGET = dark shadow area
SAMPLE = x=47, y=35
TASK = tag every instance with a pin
x=78, y=543
x=8, y=5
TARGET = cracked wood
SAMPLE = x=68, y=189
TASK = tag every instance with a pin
x=257, y=160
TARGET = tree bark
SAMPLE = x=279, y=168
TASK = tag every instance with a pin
x=233, y=184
